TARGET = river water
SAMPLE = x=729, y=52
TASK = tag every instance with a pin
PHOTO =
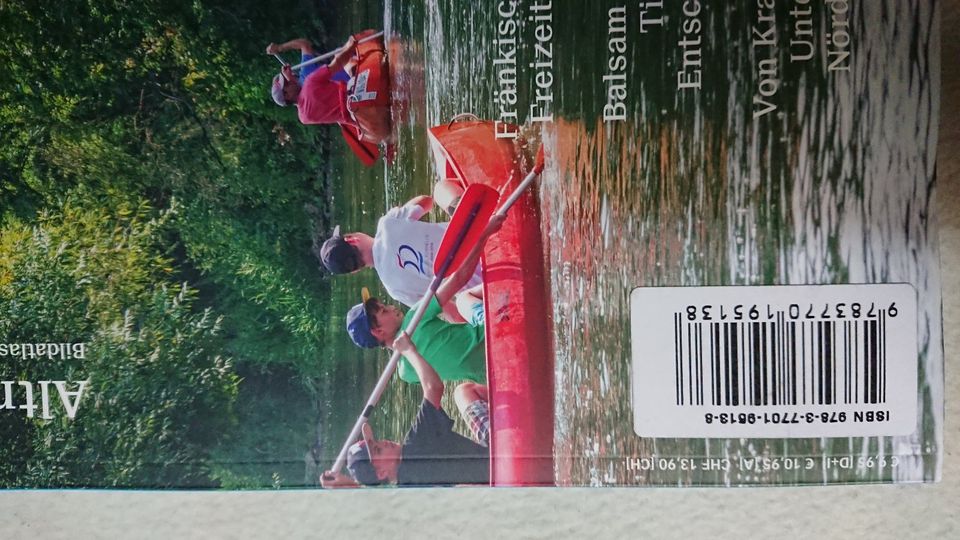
x=833, y=185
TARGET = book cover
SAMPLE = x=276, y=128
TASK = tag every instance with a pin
x=508, y=243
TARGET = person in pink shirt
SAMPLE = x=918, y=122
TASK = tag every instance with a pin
x=322, y=96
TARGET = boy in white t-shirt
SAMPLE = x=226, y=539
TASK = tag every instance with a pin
x=402, y=251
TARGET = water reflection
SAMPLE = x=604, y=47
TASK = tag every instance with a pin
x=693, y=191
x=830, y=193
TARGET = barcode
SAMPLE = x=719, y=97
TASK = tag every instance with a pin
x=774, y=361
x=781, y=362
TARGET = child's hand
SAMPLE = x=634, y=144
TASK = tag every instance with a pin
x=350, y=45
x=403, y=344
x=330, y=479
x=273, y=48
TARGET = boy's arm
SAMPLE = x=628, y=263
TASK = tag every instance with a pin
x=429, y=380
x=462, y=275
x=343, y=56
x=303, y=44
x=423, y=201
x=414, y=209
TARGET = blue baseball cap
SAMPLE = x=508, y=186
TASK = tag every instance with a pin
x=358, y=324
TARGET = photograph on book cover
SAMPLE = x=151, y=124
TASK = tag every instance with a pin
x=547, y=243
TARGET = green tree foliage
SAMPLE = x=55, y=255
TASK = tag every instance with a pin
x=248, y=259
x=140, y=150
x=156, y=99
x=160, y=394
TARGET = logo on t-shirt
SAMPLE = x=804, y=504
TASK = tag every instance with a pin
x=407, y=257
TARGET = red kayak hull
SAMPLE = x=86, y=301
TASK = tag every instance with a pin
x=366, y=152
x=520, y=368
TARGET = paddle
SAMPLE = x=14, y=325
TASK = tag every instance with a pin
x=524, y=184
x=482, y=200
x=325, y=56
x=366, y=152
x=469, y=222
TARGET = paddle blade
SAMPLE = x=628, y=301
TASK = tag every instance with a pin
x=367, y=152
x=473, y=213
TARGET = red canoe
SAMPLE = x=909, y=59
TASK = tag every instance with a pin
x=516, y=299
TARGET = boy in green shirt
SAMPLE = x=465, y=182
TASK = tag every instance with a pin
x=454, y=349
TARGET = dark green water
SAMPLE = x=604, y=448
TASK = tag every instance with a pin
x=691, y=189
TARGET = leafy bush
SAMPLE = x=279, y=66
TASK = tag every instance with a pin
x=159, y=395
x=139, y=150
